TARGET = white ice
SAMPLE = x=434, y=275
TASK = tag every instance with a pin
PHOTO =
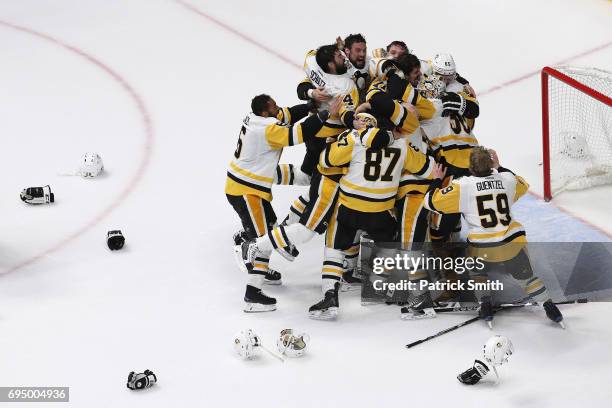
x=74, y=314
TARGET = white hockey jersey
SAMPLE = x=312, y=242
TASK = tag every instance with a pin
x=334, y=85
x=486, y=205
x=259, y=149
x=450, y=137
x=373, y=176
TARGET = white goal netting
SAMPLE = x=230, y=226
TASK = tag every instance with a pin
x=580, y=130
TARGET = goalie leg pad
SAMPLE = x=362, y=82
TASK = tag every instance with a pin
x=284, y=239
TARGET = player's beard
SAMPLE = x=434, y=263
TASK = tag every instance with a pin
x=340, y=69
x=359, y=64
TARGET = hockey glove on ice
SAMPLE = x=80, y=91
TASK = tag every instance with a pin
x=472, y=375
x=115, y=240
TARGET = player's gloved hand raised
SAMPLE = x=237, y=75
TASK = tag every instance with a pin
x=472, y=375
x=391, y=67
x=453, y=103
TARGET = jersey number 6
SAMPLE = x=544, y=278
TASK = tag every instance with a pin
x=239, y=146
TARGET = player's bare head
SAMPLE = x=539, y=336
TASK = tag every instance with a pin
x=411, y=66
x=396, y=48
x=356, y=49
x=330, y=59
x=481, y=162
x=264, y=105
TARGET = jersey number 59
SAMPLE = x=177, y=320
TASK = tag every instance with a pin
x=490, y=217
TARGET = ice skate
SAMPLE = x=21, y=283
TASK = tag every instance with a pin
x=326, y=309
x=257, y=301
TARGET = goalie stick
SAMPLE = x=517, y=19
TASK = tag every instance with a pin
x=474, y=319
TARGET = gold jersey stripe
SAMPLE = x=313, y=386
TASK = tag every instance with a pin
x=368, y=190
x=253, y=176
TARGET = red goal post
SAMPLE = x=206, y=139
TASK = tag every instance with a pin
x=570, y=101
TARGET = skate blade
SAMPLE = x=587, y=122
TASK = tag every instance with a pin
x=273, y=282
x=238, y=258
x=562, y=324
x=258, y=307
x=490, y=324
x=429, y=314
x=329, y=314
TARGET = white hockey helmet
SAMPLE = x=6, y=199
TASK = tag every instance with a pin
x=444, y=66
x=245, y=343
x=91, y=165
x=497, y=350
x=292, y=345
x=367, y=118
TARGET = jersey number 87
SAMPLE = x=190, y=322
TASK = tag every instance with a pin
x=373, y=165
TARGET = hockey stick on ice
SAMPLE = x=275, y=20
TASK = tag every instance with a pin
x=476, y=306
x=474, y=319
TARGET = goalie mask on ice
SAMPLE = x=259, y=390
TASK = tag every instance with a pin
x=37, y=195
x=496, y=352
x=245, y=343
x=292, y=345
x=91, y=165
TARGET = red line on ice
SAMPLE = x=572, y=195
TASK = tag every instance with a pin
x=147, y=148
x=269, y=50
x=238, y=33
x=537, y=72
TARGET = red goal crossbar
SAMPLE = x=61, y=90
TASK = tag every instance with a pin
x=546, y=72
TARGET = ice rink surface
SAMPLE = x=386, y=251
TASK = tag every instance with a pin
x=159, y=88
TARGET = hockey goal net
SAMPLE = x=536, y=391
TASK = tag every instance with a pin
x=577, y=128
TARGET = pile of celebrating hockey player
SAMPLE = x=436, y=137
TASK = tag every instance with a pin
x=390, y=152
